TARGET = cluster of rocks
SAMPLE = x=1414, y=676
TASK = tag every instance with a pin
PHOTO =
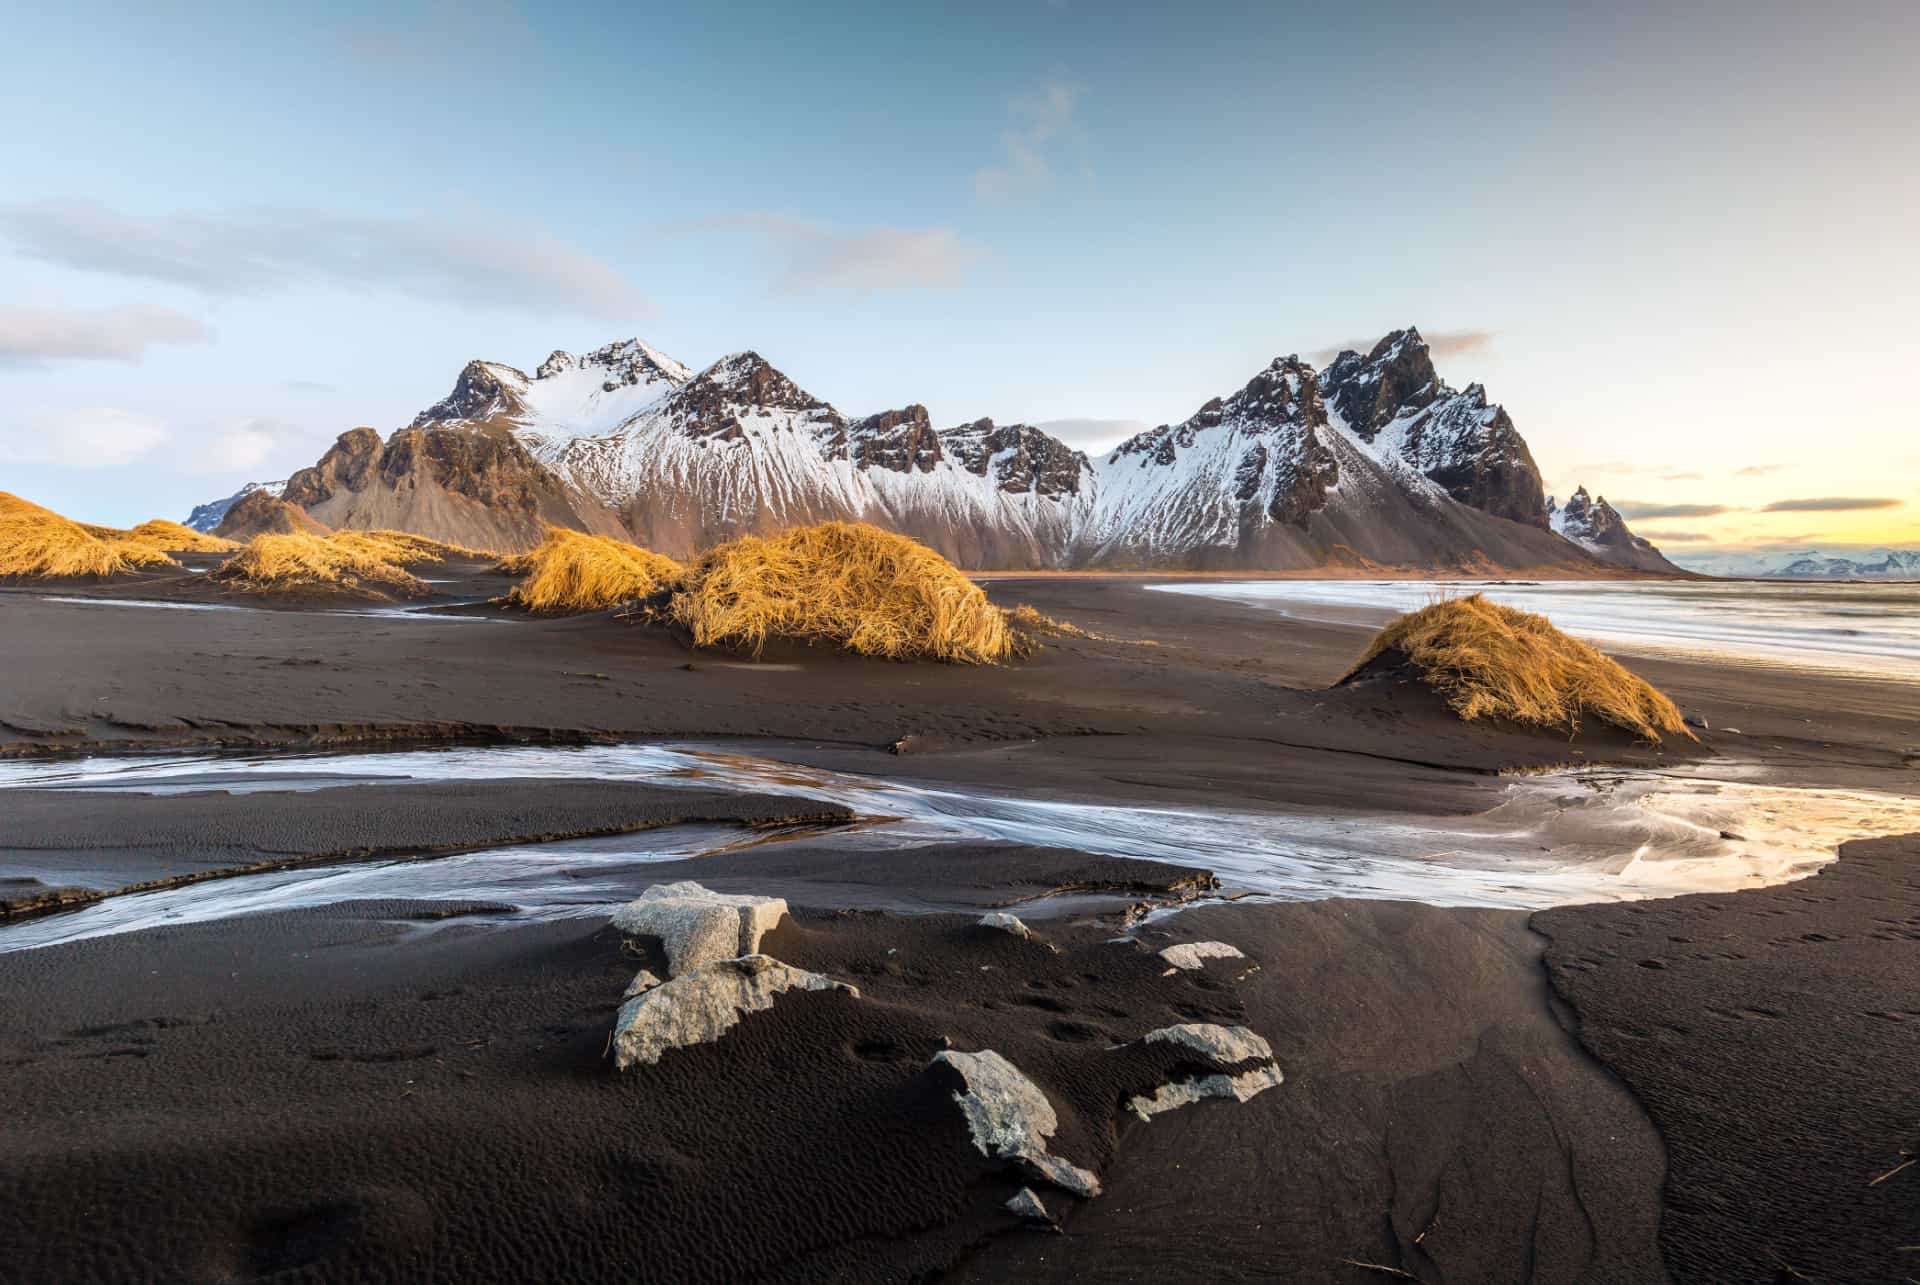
x=717, y=977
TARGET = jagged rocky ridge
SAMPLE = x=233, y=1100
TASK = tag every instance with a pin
x=1597, y=527
x=1373, y=461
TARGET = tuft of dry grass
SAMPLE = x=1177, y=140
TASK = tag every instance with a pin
x=171, y=537
x=39, y=544
x=405, y=549
x=275, y=563
x=573, y=571
x=866, y=590
x=1491, y=661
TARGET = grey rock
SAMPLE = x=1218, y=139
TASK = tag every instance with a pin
x=1190, y=955
x=1011, y=1119
x=1226, y=1045
x=697, y=925
x=1696, y=720
x=643, y=981
x=1024, y=1204
x=700, y=1006
x=1006, y=923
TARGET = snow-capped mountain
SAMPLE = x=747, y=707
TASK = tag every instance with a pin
x=205, y=517
x=1374, y=461
x=1877, y=564
x=1597, y=527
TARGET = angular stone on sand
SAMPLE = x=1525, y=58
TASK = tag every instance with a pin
x=1006, y=923
x=697, y=925
x=1011, y=1119
x=1225, y=1045
x=1195, y=954
x=1024, y=1204
x=643, y=981
x=700, y=1006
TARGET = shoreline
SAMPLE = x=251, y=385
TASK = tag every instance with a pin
x=416, y=1088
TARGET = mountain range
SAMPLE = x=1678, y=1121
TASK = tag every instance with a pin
x=1372, y=462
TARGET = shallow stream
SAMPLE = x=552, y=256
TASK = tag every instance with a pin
x=1556, y=838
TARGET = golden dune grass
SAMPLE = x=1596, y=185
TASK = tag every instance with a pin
x=405, y=549
x=39, y=544
x=1491, y=661
x=274, y=563
x=171, y=537
x=573, y=571
x=861, y=588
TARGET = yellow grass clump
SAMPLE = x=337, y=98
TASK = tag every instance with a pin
x=271, y=563
x=1491, y=661
x=171, y=537
x=573, y=571
x=864, y=589
x=39, y=544
x=405, y=548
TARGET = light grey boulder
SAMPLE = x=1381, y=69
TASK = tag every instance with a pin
x=1011, y=1119
x=1006, y=923
x=1226, y=1045
x=1190, y=955
x=700, y=1006
x=697, y=925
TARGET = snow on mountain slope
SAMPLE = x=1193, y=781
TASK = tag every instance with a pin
x=1374, y=461
x=1597, y=527
x=1393, y=399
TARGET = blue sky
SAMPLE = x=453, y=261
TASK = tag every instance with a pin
x=1679, y=247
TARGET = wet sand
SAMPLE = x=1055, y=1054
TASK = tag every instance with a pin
x=417, y=1090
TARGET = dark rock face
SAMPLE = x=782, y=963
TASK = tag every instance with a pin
x=1393, y=397
x=712, y=403
x=483, y=392
x=1017, y=458
x=1597, y=527
x=349, y=465
x=260, y=513
x=899, y=440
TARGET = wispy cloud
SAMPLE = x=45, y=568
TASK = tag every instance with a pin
x=1758, y=470
x=240, y=448
x=1831, y=504
x=1675, y=537
x=29, y=336
x=1093, y=433
x=262, y=251
x=816, y=258
x=97, y=438
x=1044, y=122
x=1443, y=344
x=1653, y=509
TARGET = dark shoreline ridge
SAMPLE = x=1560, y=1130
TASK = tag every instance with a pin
x=409, y=1090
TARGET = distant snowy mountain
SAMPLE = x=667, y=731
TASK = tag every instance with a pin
x=1806, y=564
x=1374, y=461
x=1597, y=527
x=205, y=517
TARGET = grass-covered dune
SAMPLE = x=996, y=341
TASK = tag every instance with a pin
x=573, y=571
x=284, y=563
x=39, y=544
x=865, y=590
x=1495, y=662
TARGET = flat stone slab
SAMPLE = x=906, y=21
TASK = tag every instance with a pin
x=1190, y=955
x=1011, y=1119
x=700, y=1006
x=697, y=925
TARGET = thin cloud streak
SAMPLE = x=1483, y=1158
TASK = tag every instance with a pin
x=1046, y=119
x=29, y=336
x=1831, y=504
x=1443, y=344
x=1648, y=509
x=271, y=250
x=820, y=258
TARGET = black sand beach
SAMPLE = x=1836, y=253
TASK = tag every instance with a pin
x=418, y=1090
